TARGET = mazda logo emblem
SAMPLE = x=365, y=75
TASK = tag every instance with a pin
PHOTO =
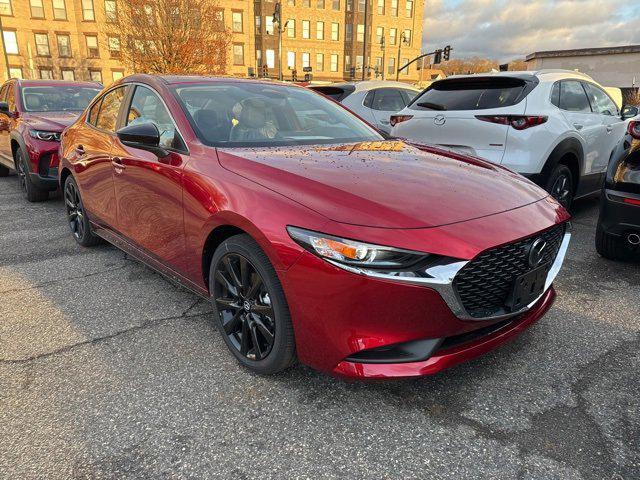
x=536, y=252
x=440, y=120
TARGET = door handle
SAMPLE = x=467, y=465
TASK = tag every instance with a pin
x=80, y=150
x=578, y=126
x=117, y=164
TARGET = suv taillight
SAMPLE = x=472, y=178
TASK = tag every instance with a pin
x=519, y=122
x=396, y=119
x=634, y=129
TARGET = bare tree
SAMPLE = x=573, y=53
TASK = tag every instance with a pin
x=172, y=36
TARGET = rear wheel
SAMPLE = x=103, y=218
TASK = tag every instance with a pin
x=29, y=191
x=560, y=185
x=251, y=311
x=76, y=215
x=4, y=171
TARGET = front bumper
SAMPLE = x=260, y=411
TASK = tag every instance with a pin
x=43, y=163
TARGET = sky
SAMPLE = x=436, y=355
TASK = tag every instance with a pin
x=505, y=30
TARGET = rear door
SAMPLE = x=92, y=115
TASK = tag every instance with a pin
x=446, y=114
x=576, y=108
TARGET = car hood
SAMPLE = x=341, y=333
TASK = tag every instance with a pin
x=387, y=184
x=52, y=121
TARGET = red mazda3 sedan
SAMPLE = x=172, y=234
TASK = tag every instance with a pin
x=314, y=237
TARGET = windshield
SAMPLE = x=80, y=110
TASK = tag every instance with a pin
x=57, y=98
x=261, y=115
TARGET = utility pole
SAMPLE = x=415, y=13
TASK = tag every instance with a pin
x=277, y=21
x=383, y=55
x=4, y=50
x=364, y=43
x=403, y=39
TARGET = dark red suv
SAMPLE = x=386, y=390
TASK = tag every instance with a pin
x=33, y=113
x=314, y=237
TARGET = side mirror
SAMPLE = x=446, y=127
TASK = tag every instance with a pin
x=628, y=111
x=144, y=136
x=4, y=108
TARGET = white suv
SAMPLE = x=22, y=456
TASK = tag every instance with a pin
x=558, y=128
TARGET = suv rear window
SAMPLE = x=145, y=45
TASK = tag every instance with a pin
x=476, y=93
x=335, y=93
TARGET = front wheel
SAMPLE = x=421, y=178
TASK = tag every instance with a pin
x=560, y=185
x=251, y=310
x=30, y=191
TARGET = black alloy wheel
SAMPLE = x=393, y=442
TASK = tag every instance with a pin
x=22, y=178
x=560, y=185
x=30, y=191
x=76, y=215
x=244, y=307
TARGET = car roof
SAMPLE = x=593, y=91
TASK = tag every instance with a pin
x=366, y=85
x=178, y=79
x=542, y=75
x=53, y=83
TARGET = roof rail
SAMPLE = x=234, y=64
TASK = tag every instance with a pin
x=562, y=70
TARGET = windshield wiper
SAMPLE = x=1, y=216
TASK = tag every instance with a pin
x=432, y=106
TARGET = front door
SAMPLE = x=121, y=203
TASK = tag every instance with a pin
x=149, y=187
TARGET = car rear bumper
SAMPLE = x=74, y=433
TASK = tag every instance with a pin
x=617, y=217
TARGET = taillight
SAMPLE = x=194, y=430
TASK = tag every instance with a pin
x=634, y=129
x=396, y=119
x=632, y=201
x=519, y=122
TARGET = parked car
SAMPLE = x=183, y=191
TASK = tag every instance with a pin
x=313, y=236
x=618, y=231
x=33, y=113
x=375, y=101
x=558, y=128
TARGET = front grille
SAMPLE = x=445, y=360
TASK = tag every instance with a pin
x=484, y=284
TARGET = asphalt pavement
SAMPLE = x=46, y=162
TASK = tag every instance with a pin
x=107, y=370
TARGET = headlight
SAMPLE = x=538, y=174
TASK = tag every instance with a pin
x=358, y=255
x=45, y=135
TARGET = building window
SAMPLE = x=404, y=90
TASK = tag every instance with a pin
x=359, y=62
x=379, y=34
x=95, y=75
x=334, y=62
x=347, y=63
x=305, y=29
x=114, y=47
x=236, y=21
x=5, y=9
x=111, y=14
x=320, y=4
x=268, y=24
x=349, y=5
x=116, y=75
x=238, y=54
x=271, y=58
x=259, y=58
x=393, y=36
x=335, y=4
x=360, y=33
x=380, y=7
x=291, y=28
x=379, y=66
x=348, y=32
x=394, y=8
x=409, y=9
x=258, y=24
x=291, y=60
x=88, y=13
x=10, y=42
x=320, y=30
x=59, y=10
x=15, y=72
x=92, y=46
x=68, y=74
x=361, y=5
x=42, y=45
x=407, y=37
x=37, y=8
x=319, y=62
x=46, y=74
x=335, y=31
x=306, y=61
x=306, y=3
x=392, y=65
x=291, y=3
x=64, y=45
x=402, y=64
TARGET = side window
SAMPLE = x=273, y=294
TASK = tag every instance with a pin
x=92, y=117
x=368, y=100
x=573, y=97
x=600, y=101
x=388, y=100
x=109, y=108
x=555, y=94
x=408, y=95
x=146, y=106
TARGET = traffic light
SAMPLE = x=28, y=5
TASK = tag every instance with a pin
x=437, y=57
x=446, y=53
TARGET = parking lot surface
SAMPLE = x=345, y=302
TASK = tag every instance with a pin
x=107, y=370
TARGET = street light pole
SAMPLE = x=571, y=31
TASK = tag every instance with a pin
x=383, y=55
x=364, y=42
x=403, y=39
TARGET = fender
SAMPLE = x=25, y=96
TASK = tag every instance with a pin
x=567, y=145
x=15, y=135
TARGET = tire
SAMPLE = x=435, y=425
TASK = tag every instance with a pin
x=560, y=185
x=611, y=247
x=4, y=171
x=76, y=216
x=30, y=192
x=250, y=307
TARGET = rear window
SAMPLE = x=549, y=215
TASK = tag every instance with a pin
x=473, y=94
x=335, y=93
